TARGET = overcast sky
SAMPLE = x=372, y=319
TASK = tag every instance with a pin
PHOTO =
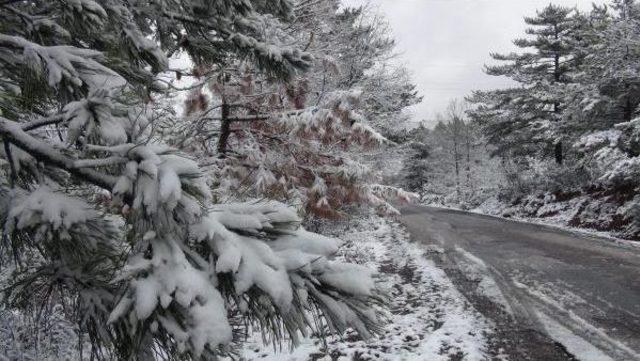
x=446, y=42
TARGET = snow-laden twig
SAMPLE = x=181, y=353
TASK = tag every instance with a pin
x=42, y=122
x=44, y=152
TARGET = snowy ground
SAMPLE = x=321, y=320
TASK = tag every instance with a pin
x=428, y=320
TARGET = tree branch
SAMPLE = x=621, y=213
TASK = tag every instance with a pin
x=12, y=166
x=54, y=119
x=99, y=162
x=43, y=152
x=9, y=2
x=242, y=119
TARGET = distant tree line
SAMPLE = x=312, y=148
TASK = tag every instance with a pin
x=568, y=130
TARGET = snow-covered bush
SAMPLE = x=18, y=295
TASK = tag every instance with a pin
x=611, y=155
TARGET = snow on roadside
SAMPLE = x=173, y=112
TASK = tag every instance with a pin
x=556, y=215
x=428, y=320
x=495, y=209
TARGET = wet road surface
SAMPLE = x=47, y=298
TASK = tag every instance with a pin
x=580, y=292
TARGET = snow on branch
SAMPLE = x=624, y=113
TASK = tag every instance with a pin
x=61, y=213
x=92, y=118
x=76, y=65
x=43, y=152
x=255, y=248
x=42, y=122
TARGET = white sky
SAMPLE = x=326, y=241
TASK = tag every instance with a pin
x=445, y=43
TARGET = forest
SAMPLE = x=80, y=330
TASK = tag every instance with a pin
x=196, y=179
x=561, y=144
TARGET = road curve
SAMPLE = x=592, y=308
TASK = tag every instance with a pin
x=570, y=286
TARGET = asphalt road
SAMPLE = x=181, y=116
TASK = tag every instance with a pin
x=579, y=291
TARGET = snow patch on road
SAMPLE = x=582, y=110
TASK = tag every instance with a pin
x=552, y=301
x=575, y=345
x=476, y=269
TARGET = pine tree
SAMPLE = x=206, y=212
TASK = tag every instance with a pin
x=608, y=89
x=101, y=216
x=416, y=168
x=361, y=50
x=304, y=141
x=527, y=119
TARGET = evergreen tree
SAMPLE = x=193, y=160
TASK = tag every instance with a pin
x=360, y=47
x=305, y=141
x=416, y=168
x=527, y=119
x=580, y=86
x=608, y=88
x=102, y=217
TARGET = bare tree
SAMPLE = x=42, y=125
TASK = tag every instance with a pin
x=458, y=134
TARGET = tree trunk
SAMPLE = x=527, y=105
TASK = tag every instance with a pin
x=558, y=149
x=468, y=168
x=558, y=153
x=225, y=130
x=628, y=111
x=456, y=157
x=628, y=108
x=556, y=106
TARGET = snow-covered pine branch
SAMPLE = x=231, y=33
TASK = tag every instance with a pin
x=323, y=126
x=104, y=219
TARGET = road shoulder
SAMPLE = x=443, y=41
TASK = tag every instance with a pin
x=429, y=319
